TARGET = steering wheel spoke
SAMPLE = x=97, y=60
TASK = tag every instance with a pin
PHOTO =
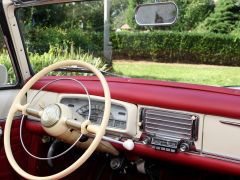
x=74, y=124
x=85, y=127
x=92, y=128
x=34, y=112
x=21, y=108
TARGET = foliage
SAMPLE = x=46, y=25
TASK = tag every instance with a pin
x=180, y=47
x=118, y=9
x=191, y=13
x=84, y=15
x=1, y=41
x=236, y=31
x=5, y=60
x=55, y=54
x=224, y=19
x=196, y=12
x=164, y=46
x=39, y=40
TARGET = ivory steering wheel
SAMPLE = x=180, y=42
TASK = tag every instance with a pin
x=62, y=122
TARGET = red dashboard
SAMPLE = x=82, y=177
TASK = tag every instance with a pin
x=179, y=96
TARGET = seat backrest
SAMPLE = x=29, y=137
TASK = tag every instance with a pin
x=3, y=75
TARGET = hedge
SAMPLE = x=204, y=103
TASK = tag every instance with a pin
x=160, y=46
x=163, y=46
x=39, y=40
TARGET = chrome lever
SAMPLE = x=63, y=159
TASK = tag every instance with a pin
x=128, y=144
x=1, y=133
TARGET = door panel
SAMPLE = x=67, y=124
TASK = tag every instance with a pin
x=32, y=142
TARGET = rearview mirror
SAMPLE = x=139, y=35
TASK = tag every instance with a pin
x=156, y=14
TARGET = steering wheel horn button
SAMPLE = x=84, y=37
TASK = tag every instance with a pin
x=51, y=115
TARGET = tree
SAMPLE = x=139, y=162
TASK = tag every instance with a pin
x=196, y=12
x=224, y=18
x=118, y=13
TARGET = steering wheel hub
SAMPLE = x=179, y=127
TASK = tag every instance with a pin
x=51, y=115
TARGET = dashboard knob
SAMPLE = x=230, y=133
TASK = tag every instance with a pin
x=184, y=147
x=128, y=144
x=116, y=163
x=147, y=140
x=1, y=133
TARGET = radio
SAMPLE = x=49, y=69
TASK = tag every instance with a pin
x=169, y=144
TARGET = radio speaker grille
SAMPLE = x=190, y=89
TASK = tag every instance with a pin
x=163, y=123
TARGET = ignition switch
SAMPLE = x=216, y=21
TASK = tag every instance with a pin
x=116, y=163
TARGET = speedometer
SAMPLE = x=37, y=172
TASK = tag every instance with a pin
x=80, y=109
x=96, y=113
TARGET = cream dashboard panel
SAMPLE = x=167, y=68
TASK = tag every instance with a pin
x=123, y=118
x=221, y=137
x=217, y=136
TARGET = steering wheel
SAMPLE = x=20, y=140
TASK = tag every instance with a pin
x=59, y=122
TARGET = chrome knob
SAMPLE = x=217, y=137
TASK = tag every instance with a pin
x=116, y=163
x=1, y=132
x=184, y=147
x=147, y=140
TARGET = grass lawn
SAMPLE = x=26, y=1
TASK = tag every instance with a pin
x=196, y=74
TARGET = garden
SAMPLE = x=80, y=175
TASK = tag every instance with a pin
x=205, y=40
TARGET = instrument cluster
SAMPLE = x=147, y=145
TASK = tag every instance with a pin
x=80, y=108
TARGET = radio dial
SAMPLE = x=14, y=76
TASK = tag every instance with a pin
x=184, y=147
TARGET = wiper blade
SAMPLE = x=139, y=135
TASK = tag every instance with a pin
x=84, y=70
x=25, y=3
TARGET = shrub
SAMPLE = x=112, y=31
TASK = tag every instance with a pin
x=162, y=46
x=39, y=40
x=166, y=46
x=55, y=54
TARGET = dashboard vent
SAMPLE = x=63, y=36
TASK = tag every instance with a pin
x=170, y=124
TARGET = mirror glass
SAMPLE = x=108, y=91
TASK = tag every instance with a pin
x=156, y=14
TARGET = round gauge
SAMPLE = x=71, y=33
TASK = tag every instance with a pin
x=96, y=113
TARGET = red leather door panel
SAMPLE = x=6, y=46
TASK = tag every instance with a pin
x=32, y=142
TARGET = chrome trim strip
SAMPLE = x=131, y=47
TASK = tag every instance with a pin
x=165, y=130
x=168, y=114
x=221, y=157
x=16, y=117
x=169, y=126
x=214, y=156
x=174, y=122
x=230, y=123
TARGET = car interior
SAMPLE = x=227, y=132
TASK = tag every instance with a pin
x=100, y=126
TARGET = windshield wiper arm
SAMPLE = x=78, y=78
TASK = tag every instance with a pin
x=84, y=70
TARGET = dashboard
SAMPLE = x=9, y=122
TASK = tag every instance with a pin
x=161, y=129
x=195, y=125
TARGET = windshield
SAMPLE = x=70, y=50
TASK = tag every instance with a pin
x=202, y=47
